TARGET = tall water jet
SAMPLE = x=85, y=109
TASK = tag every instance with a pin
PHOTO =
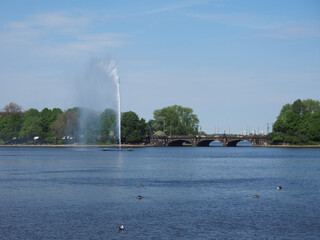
x=113, y=73
x=99, y=100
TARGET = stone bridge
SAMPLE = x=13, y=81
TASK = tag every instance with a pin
x=204, y=141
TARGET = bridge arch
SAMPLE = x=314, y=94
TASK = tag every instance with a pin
x=216, y=144
x=244, y=143
x=206, y=143
x=179, y=143
x=234, y=143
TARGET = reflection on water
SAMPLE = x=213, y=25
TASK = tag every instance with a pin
x=187, y=193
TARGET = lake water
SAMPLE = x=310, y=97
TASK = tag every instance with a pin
x=188, y=193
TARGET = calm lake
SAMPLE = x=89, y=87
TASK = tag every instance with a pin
x=187, y=193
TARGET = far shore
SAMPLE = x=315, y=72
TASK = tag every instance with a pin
x=137, y=146
x=288, y=146
x=73, y=145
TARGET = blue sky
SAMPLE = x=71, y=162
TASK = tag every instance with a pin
x=235, y=63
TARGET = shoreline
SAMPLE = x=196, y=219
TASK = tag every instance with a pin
x=74, y=146
x=289, y=146
x=138, y=146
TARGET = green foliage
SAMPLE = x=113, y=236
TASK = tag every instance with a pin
x=80, y=125
x=47, y=120
x=66, y=126
x=88, y=125
x=175, y=120
x=107, y=125
x=298, y=123
x=30, y=126
x=57, y=127
x=10, y=128
x=159, y=134
x=95, y=128
x=132, y=128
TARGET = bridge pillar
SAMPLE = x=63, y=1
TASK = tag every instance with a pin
x=159, y=141
x=224, y=142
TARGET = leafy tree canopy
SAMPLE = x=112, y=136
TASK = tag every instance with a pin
x=47, y=120
x=95, y=127
x=132, y=128
x=30, y=126
x=107, y=125
x=88, y=126
x=175, y=120
x=66, y=125
x=298, y=123
x=10, y=128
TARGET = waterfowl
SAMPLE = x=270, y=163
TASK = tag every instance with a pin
x=139, y=197
x=141, y=185
x=121, y=228
x=279, y=187
x=256, y=196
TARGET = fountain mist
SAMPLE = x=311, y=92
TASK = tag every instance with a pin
x=99, y=96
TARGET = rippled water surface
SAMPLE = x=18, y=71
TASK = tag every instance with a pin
x=187, y=193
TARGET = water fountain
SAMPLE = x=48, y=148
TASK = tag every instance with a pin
x=113, y=73
x=99, y=98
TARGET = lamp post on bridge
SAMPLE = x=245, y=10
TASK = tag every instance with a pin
x=150, y=131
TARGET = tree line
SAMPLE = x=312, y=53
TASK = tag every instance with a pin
x=298, y=123
x=86, y=126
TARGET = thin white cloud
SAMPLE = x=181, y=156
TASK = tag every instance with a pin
x=58, y=22
x=58, y=33
x=85, y=44
x=177, y=6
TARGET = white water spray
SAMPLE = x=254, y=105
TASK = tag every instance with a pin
x=99, y=93
x=113, y=73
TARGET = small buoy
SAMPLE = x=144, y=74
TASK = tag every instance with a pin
x=141, y=185
x=139, y=197
x=121, y=228
x=279, y=187
x=256, y=196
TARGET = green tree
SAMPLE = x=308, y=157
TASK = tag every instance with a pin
x=107, y=125
x=30, y=126
x=88, y=125
x=10, y=128
x=176, y=120
x=66, y=126
x=96, y=128
x=298, y=107
x=47, y=120
x=132, y=128
x=311, y=106
x=151, y=124
x=298, y=123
